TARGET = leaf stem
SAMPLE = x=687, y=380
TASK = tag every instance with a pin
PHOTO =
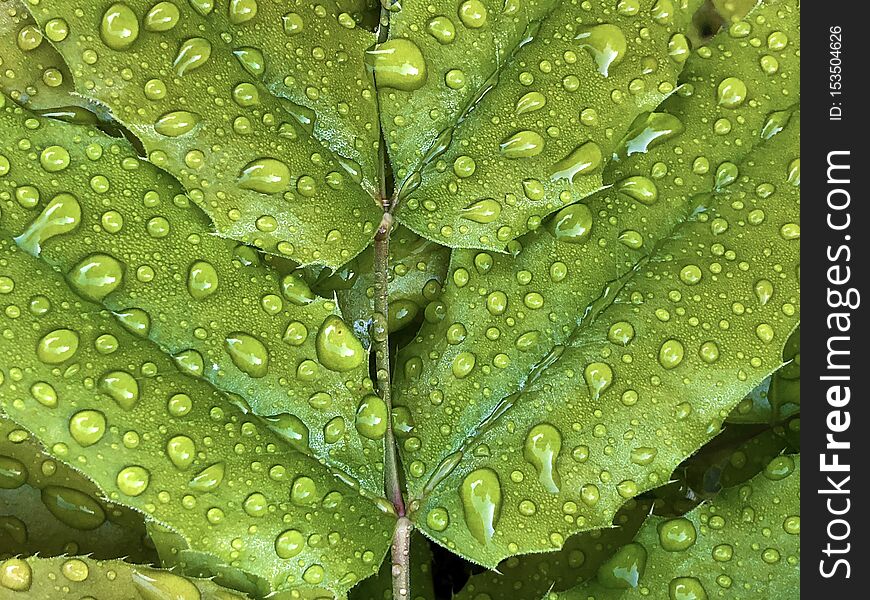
x=401, y=559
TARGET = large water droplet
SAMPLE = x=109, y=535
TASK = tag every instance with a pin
x=96, y=276
x=671, y=354
x=265, y=175
x=584, y=159
x=523, y=144
x=649, y=130
x=606, y=43
x=163, y=16
x=486, y=210
x=530, y=102
x=677, y=535
x=731, y=92
x=87, y=427
x=639, y=188
x=572, y=224
x=398, y=64
x=176, y=123
x=181, y=451
x=686, y=588
x=480, y=494
x=62, y=215
x=248, y=353
x=202, y=280
x=163, y=585
x=16, y=575
x=599, y=377
x=121, y=387
x=57, y=346
x=119, y=27
x=624, y=570
x=193, y=53
x=292, y=429
x=371, y=417
x=13, y=473
x=133, y=481
x=542, y=447
x=73, y=507
x=289, y=543
x=208, y=479
x=337, y=347
x=241, y=11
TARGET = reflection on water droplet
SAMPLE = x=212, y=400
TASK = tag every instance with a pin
x=119, y=27
x=480, y=493
x=398, y=64
x=541, y=449
x=62, y=215
x=605, y=43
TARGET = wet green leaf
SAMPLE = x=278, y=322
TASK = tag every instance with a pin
x=173, y=447
x=205, y=300
x=644, y=371
x=204, y=117
x=529, y=99
x=49, y=508
x=745, y=543
x=84, y=577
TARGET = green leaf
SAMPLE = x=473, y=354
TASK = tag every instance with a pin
x=534, y=575
x=174, y=448
x=83, y=577
x=33, y=72
x=206, y=119
x=528, y=101
x=49, y=508
x=648, y=374
x=744, y=544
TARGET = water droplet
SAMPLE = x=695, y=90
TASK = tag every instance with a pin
x=193, y=53
x=54, y=159
x=13, y=473
x=530, y=102
x=398, y=64
x=643, y=455
x=572, y=224
x=292, y=429
x=438, y=519
x=480, y=494
x=542, y=447
x=621, y=333
x=731, y=92
x=523, y=144
x=57, y=346
x=671, y=354
x=44, y=393
x=73, y=507
x=248, y=353
x=639, y=188
x=584, y=159
x=686, y=588
x=119, y=27
x=289, y=543
x=605, y=43
x=209, y=478
x=599, y=377
x=463, y=364
x=678, y=48
x=486, y=210
x=16, y=575
x=121, y=387
x=242, y=11
x=62, y=215
x=337, y=347
x=163, y=16
x=176, y=123
x=252, y=59
x=442, y=29
x=677, y=535
x=181, y=451
x=649, y=130
x=87, y=427
x=371, y=417
x=794, y=172
x=96, y=276
x=472, y=13
x=75, y=570
x=265, y=175
x=202, y=280
x=163, y=585
x=133, y=481
x=624, y=569
x=691, y=274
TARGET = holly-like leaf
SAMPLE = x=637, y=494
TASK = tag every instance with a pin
x=126, y=236
x=549, y=90
x=49, y=508
x=174, y=448
x=168, y=74
x=745, y=543
x=77, y=577
x=650, y=371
